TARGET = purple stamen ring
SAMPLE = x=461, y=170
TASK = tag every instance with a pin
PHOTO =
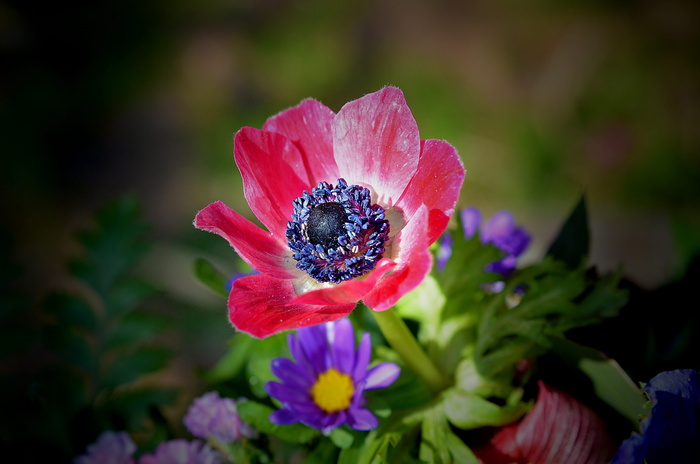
x=336, y=233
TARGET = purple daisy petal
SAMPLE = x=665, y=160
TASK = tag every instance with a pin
x=314, y=342
x=333, y=420
x=285, y=393
x=362, y=419
x=364, y=353
x=333, y=344
x=471, y=220
x=292, y=374
x=343, y=346
x=298, y=353
x=304, y=407
x=382, y=375
x=284, y=417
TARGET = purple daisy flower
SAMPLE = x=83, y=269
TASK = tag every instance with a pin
x=500, y=230
x=110, y=448
x=324, y=388
x=181, y=451
x=212, y=416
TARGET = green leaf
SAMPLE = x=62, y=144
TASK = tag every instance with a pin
x=135, y=406
x=112, y=247
x=610, y=382
x=423, y=304
x=128, y=368
x=572, y=243
x=69, y=346
x=468, y=410
x=257, y=415
x=233, y=361
x=71, y=310
x=127, y=294
x=210, y=277
x=262, y=352
x=342, y=437
x=464, y=272
x=135, y=328
x=324, y=452
x=556, y=299
x=459, y=451
x=434, y=434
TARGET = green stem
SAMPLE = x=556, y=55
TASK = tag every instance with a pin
x=402, y=340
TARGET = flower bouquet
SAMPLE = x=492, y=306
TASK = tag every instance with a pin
x=375, y=320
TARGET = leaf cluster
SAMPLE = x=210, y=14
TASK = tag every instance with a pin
x=94, y=349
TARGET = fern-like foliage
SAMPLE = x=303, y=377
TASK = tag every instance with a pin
x=94, y=348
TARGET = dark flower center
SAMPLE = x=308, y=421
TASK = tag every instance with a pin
x=336, y=233
x=325, y=224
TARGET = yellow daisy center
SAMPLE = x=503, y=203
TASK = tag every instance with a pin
x=333, y=391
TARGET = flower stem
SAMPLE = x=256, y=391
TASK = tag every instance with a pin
x=402, y=340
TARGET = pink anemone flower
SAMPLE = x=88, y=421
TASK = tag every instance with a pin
x=351, y=202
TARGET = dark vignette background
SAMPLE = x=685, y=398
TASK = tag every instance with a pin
x=544, y=100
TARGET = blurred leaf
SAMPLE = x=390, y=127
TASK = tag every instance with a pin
x=130, y=367
x=112, y=248
x=555, y=300
x=610, y=382
x=233, y=361
x=468, y=410
x=71, y=347
x=405, y=393
x=257, y=414
x=572, y=243
x=434, y=436
x=127, y=294
x=324, y=452
x=135, y=406
x=459, y=451
x=258, y=366
x=423, y=304
x=135, y=328
x=686, y=235
x=210, y=277
x=71, y=310
x=464, y=273
x=342, y=437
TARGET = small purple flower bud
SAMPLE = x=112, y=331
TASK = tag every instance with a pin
x=182, y=452
x=212, y=416
x=110, y=448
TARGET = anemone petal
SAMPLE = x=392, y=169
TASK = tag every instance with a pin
x=376, y=143
x=260, y=305
x=308, y=126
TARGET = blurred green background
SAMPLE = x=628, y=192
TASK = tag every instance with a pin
x=544, y=100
